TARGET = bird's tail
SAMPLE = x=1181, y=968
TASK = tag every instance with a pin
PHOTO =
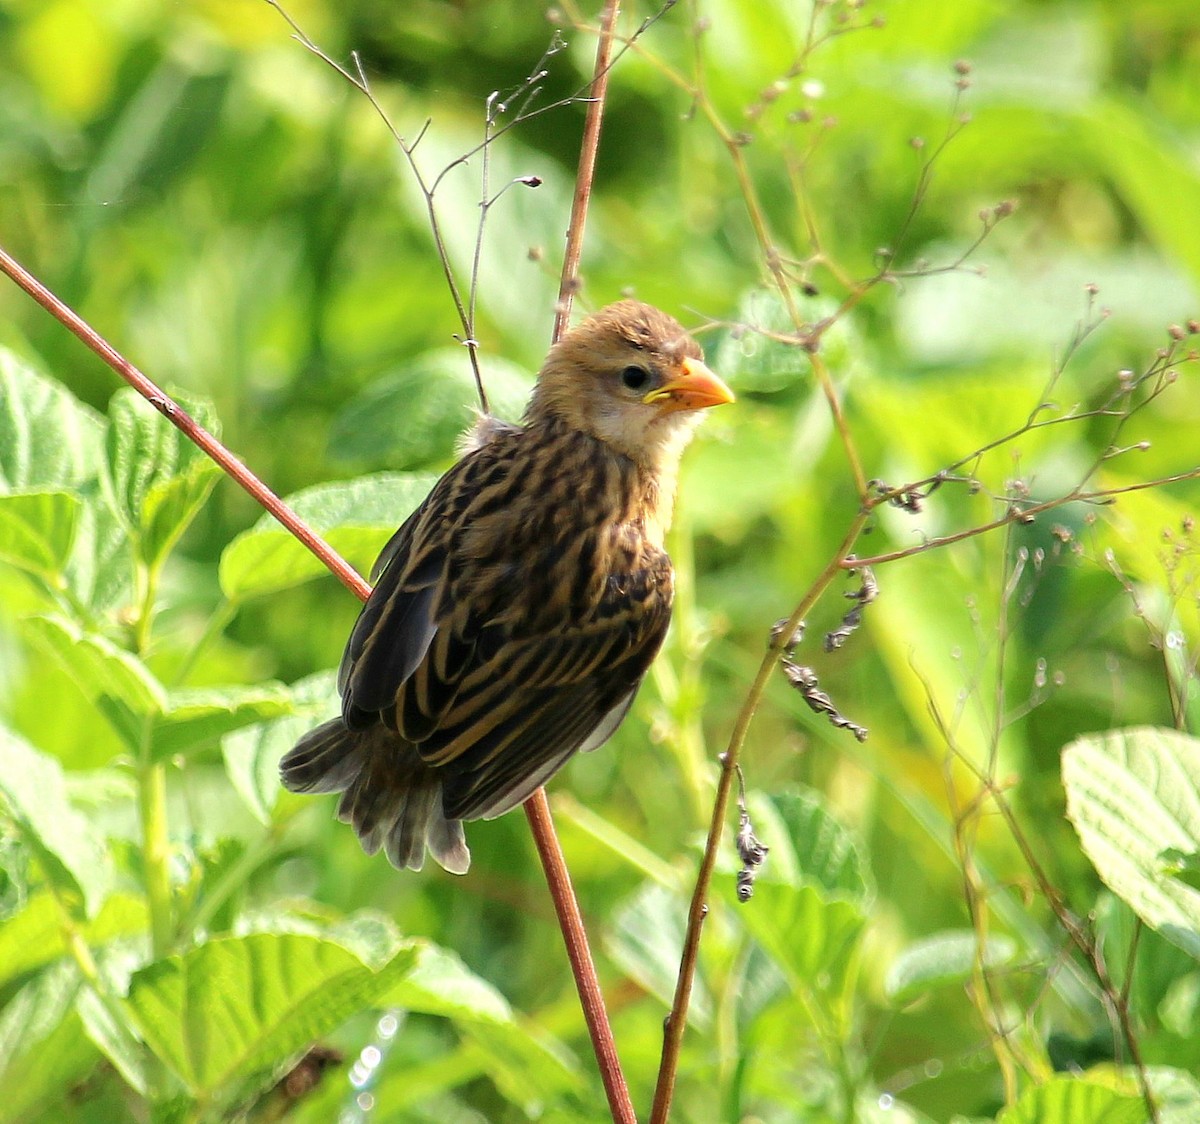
x=390, y=796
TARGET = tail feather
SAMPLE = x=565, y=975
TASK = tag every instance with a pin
x=390, y=796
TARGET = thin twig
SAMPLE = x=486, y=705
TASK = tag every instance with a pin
x=537, y=808
x=585, y=175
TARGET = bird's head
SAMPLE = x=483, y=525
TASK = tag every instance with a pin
x=630, y=376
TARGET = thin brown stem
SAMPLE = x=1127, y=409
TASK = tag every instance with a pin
x=585, y=175
x=676, y=1021
x=537, y=807
x=570, y=921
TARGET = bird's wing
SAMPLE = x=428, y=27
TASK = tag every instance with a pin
x=398, y=623
x=522, y=710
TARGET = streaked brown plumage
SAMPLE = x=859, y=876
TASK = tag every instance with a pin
x=518, y=607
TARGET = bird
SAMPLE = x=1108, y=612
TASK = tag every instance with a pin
x=516, y=610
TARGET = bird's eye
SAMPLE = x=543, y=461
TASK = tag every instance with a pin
x=635, y=377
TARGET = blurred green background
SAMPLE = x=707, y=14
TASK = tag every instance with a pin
x=235, y=219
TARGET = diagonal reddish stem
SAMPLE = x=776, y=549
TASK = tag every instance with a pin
x=183, y=421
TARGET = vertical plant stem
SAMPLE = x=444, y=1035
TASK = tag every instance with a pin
x=152, y=812
x=152, y=795
x=585, y=174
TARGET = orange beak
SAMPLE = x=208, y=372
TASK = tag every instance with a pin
x=696, y=388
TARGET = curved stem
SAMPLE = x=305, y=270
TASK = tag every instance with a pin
x=677, y=1020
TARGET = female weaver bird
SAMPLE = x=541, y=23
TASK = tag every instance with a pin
x=517, y=609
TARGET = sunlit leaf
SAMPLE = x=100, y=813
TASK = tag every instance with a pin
x=101, y=569
x=1176, y=1093
x=194, y=718
x=528, y=1066
x=235, y=1005
x=1070, y=1100
x=37, y=530
x=122, y=687
x=156, y=477
x=43, y=1049
x=47, y=436
x=815, y=941
x=645, y=939
x=1140, y=158
x=809, y=844
x=441, y=984
x=941, y=959
x=34, y=937
x=1134, y=797
x=252, y=753
x=415, y=415
x=33, y=789
x=355, y=517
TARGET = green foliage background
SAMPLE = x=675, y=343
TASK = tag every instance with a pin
x=235, y=219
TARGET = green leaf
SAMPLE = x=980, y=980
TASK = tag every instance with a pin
x=943, y=958
x=101, y=570
x=171, y=505
x=1134, y=798
x=252, y=754
x=1141, y=157
x=236, y=1006
x=646, y=936
x=1182, y=865
x=193, y=718
x=47, y=436
x=529, y=1068
x=44, y=1052
x=1176, y=1092
x=157, y=478
x=33, y=788
x=414, y=415
x=441, y=984
x=1070, y=1100
x=122, y=687
x=356, y=517
x=810, y=845
x=37, y=531
x=815, y=941
x=33, y=937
